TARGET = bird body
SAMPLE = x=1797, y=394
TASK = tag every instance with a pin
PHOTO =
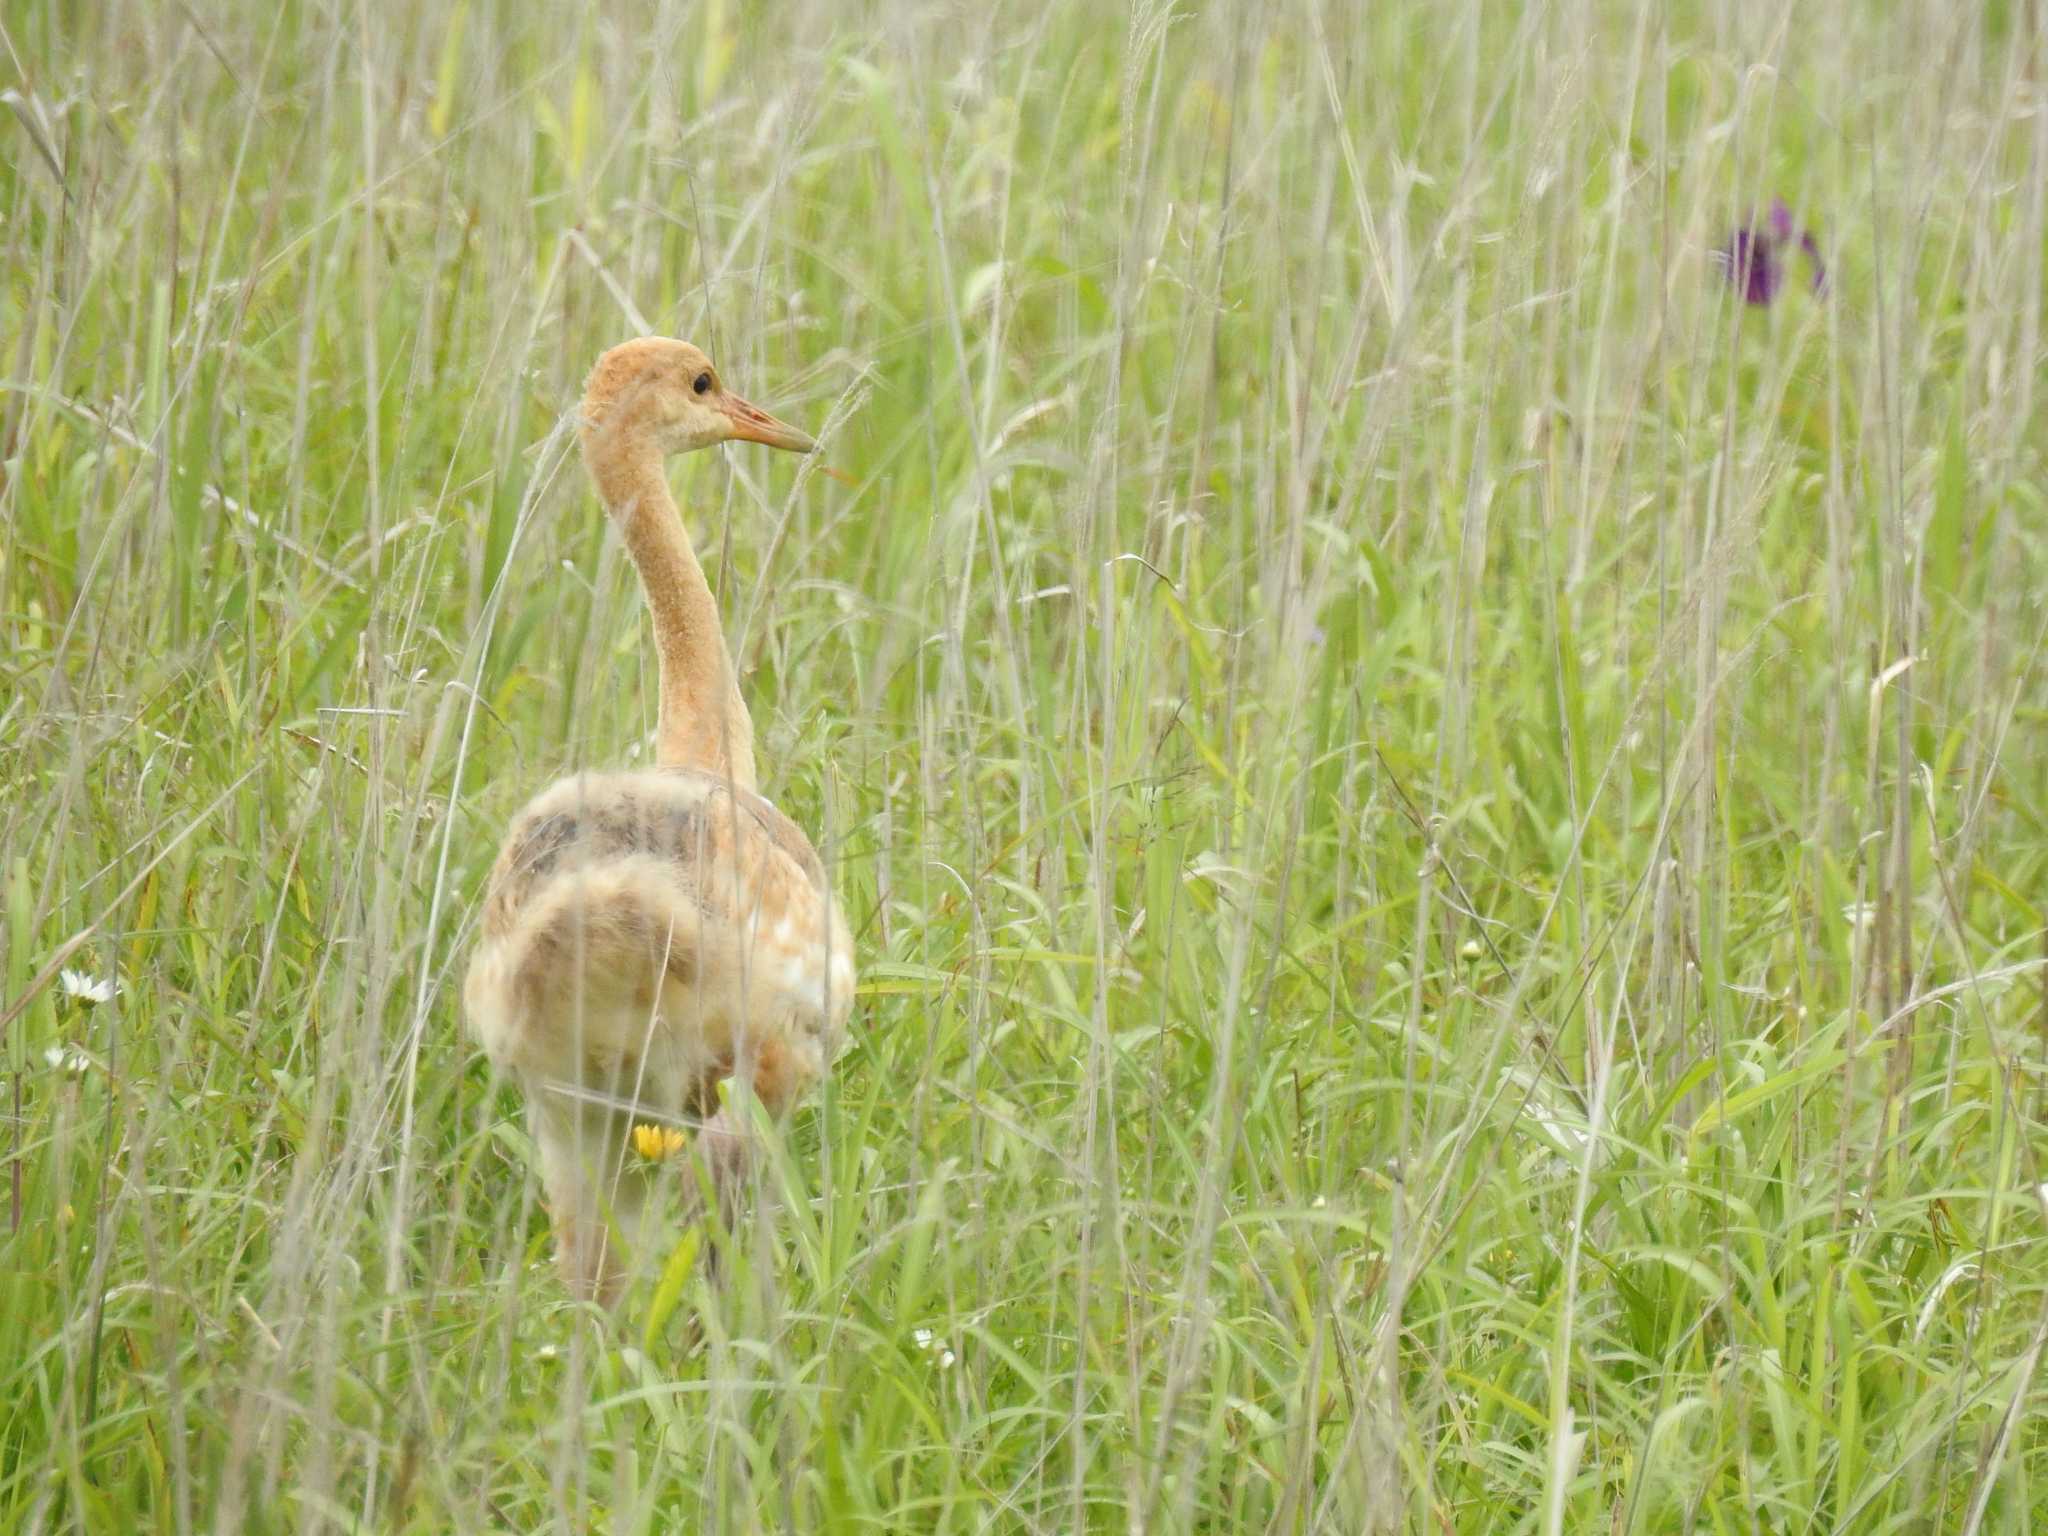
x=647, y=935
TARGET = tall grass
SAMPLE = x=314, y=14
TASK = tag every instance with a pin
x=1445, y=821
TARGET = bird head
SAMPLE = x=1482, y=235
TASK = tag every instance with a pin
x=667, y=393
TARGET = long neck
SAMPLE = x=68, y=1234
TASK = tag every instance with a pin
x=704, y=722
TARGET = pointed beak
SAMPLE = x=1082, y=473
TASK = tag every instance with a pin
x=753, y=425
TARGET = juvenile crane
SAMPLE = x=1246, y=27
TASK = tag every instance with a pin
x=648, y=934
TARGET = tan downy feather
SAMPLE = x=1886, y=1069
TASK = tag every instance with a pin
x=646, y=935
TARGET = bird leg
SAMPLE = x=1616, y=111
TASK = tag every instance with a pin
x=723, y=1158
x=583, y=1240
x=724, y=1152
x=595, y=1197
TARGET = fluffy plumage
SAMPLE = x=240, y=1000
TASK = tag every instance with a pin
x=646, y=935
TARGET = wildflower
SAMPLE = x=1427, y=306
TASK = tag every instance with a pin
x=927, y=1340
x=89, y=990
x=657, y=1142
x=67, y=1058
x=1754, y=257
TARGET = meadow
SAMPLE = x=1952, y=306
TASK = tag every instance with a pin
x=1444, y=819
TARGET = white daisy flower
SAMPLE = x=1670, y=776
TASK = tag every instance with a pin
x=88, y=989
x=67, y=1058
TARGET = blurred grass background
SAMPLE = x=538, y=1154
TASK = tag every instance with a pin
x=1445, y=822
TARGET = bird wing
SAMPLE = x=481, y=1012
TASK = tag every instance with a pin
x=667, y=919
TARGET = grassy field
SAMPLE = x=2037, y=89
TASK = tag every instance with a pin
x=1445, y=821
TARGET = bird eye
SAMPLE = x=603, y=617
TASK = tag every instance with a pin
x=703, y=383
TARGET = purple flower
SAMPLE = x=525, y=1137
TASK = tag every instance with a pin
x=1751, y=262
x=1754, y=257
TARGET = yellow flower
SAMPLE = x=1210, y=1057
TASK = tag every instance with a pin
x=655, y=1142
